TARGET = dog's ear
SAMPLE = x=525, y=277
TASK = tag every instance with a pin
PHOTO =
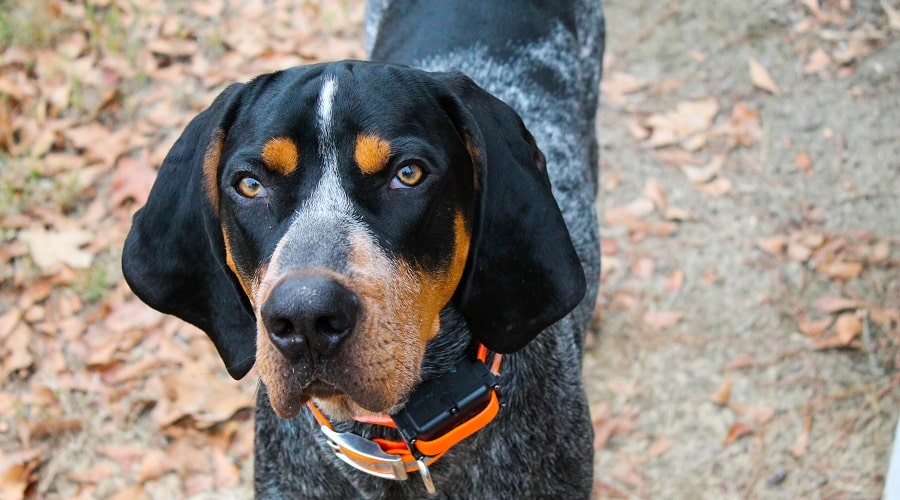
x=174, y=256
x=523, y=273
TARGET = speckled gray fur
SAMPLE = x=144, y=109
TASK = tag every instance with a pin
x=540, y=445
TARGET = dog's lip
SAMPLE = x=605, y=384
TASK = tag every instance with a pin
x=320, y=389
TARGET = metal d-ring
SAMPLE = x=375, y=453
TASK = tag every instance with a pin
x=426, y=476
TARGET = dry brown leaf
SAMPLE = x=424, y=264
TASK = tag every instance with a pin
x=608, y=246
x=674, y=281
x=53, y=426
x=662, y=444
x=662, y=319
x=761, y=78
x=743, y=128
x=742, y=361
x=227, y=474
x=637, y=130
x=847, y=327
x=818, y=61
x=94, y=474
x=798, y=449
x=643, y=267
x=131, y=180
x=63, y=246
x=677, y=214
x=840, y=270
x=618, y=85
x=773, y=245
x=17, y=472
x=717, y=188
x=879, y=252
x=737, y=431
x=803, y=162
x=836, y=304
x=799, y=252
x=814, y=328
x=893, y=15
x=607, y=428
x=723, y=393
x=688, y=120
x=654, y=192
x=155, y=464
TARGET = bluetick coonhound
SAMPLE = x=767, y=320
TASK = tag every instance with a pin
x=378, y=236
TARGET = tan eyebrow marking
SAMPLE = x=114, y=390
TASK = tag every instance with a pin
x=210, y=169
x=280, y=155
x=372, y=153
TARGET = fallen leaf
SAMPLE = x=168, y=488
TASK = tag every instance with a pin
x=662, y=319
x=93, y=474
x=743, y=127
x=662, y=444
x=154, y=465
x=836, y=304
x=17, y=472
x=841, y=270
x=761, y=78
x=132, y=180
x=847, y=327
x=654, y=192
x=618, y=84
x=64, y=246
x=893, y=15
x=608, y=246
x=643, y=267
x=742, y=361
x=717, y=188
x=686, y=121
x=774, y=245
x=814, y=328
x=798, y=449
x=723, y=393
x=674, y=281
x=737, y=431
x=798, y=252
x=818, y=61
x=803, y=162
x=607, y=428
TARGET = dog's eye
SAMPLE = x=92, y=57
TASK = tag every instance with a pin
x=249, y=187
x=408, y=176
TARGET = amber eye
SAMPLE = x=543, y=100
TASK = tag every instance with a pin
x=408, y=176
x=249, y=187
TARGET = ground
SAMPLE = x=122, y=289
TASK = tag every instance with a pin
x=747, y=339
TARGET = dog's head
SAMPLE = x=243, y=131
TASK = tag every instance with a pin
x=317, y=220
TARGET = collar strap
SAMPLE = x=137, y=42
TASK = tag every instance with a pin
x=396, y=459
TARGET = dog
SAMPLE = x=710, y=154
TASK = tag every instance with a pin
x=406, y=248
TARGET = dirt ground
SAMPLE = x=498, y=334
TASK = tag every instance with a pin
x=747, y=339
x=824, y=166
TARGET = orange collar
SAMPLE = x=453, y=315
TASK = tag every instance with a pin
x=392, y=459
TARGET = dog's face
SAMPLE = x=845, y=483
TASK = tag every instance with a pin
x=328, y=214
x=346, y=218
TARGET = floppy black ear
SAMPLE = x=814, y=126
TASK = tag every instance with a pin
x=174, y=256
x=523, y=274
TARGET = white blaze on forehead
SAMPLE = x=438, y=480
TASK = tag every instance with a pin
x=324, y=123
x=326, y=218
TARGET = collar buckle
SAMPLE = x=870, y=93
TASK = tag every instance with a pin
x=365, y=455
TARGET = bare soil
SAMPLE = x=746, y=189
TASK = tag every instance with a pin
x=654, y=387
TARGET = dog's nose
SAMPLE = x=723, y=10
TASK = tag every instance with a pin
x=309, y=313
